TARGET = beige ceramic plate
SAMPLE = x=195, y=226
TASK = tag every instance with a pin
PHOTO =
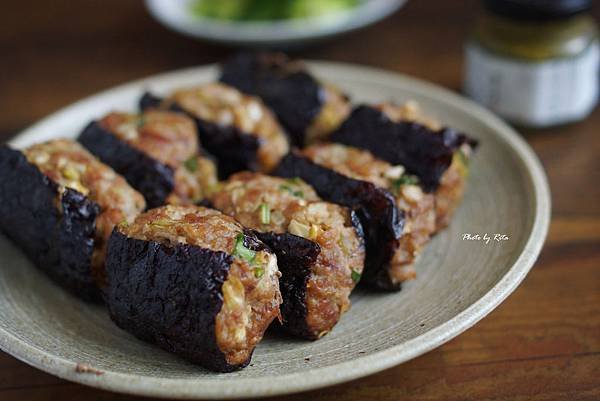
x=458, y=283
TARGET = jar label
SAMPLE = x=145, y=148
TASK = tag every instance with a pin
x=533, y=93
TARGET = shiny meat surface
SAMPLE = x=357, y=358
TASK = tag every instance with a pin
x=226, y=106
x=71, y=166
x=263, y=202
x=199, y=226
x=280, y=205
x=251, y=295
x=170, y=138
x=351, y=162
x=338, y=266
x=418, y=205
x=163, y=135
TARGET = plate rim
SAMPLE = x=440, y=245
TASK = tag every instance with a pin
x=345, y=371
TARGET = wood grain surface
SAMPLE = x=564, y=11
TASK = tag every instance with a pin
x=543, y=343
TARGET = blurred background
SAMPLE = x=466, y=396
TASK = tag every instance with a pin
x=532, y=347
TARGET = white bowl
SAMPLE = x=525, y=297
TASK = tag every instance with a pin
x=175, y=15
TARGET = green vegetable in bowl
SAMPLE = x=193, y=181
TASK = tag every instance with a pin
x=267, y=10
x=313, y=8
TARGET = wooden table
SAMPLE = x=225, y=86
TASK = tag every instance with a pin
x=543, y=343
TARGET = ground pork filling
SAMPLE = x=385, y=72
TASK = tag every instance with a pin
x=418, y=206
x=452, y=187
x=334, y=111
x=251, y=295
x=223, y=105
x=171, y=139
x=452, y=183
x=69, y=165
x=272, y=204
x=338, y=267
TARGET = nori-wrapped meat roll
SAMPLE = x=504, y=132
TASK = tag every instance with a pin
x=194, y=282
x=308, y=109
x=339, y=174
x=402, y=135
x=239, y=130
x=59, y=204
x=157, y=152
x=319, y=246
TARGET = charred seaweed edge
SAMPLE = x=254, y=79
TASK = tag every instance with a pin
x=234, y=149
x=153, y=179
x=58, y=242
x=375, y=207
x=422, y=151
x=128, y=263
x=295, y=96
x=295, y=257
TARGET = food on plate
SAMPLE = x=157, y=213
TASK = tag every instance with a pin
x=382, y=220
x=403, y=136
x=267, y=10
x=59, y=204
x=308, y=109
x=319, y=246
x=416, y=205
x=193, y=281
x=238, y=129
x=157, y=152
x=207, y=269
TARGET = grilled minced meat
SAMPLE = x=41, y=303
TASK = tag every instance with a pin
x=417, y=205
x=308, y=109
x=452, y=183
x=192, y=280
x=157, y=151
x=404, y=136
x=238, y=129
x=71, y=166
x=67, y=205
x=275, y=207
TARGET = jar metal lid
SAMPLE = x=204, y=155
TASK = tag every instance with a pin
x=537, y=10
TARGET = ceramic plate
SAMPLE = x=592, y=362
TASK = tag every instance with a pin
x=459, y=281
x=175, y=15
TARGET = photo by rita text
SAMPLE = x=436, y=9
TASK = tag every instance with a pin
x=486, y=238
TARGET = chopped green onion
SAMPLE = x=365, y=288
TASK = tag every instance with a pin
x=355, y=276
x=191, y=164
x=259, y=272
x=405, y=180
x=241, y=251
x=140, y=122
x=291, y=190
x=160, y=223
x=265, y=213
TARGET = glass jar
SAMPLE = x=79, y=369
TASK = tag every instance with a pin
x=534, y=62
